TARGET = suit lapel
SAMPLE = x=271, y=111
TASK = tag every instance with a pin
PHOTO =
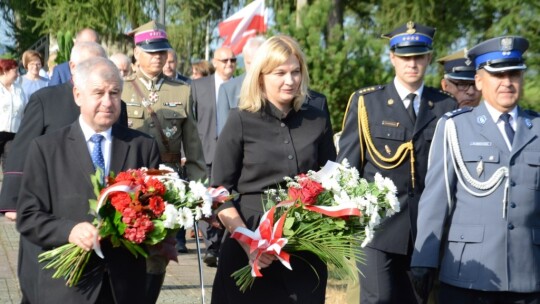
x=524, y=131
x=79, y=149
x=119, y=151
x=425, y=113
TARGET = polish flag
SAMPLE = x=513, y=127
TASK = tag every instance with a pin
x=246, y=23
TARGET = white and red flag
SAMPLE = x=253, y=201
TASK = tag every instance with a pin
x=244, y=24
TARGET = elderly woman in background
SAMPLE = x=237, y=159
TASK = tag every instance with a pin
x=12, y=103
x=32, y=81
x=201, y=69
x=272, y=134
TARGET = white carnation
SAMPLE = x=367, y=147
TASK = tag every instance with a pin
x=170, y=215
x=185, y=217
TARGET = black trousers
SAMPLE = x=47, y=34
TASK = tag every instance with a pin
x=451, y=294
x=385, y=278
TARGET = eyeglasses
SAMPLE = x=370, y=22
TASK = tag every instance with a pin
x=463, y=86
x=232, y=60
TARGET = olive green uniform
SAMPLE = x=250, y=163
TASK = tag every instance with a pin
x=169, y=99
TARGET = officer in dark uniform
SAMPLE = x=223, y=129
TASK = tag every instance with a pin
x=483, y=184
x=158, y=106
x=388, y=129
x=458, y=79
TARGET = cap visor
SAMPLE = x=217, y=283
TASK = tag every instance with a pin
x=461, y=76
x=492, y=69
x=157, y=46
x=412, y=51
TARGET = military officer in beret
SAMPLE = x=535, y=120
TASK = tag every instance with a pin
x=483, y=183
x=388, y=129
x=458, y=79
x=158, y=106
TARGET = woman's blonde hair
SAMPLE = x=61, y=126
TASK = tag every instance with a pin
x=271, y=54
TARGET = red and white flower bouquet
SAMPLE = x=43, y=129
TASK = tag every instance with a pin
x=138, y=208
x=329, y=213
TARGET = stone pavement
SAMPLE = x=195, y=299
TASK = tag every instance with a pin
x=181, y=283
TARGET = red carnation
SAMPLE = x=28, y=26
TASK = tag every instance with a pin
x=308, y=192
x=155, y=186
x=120, y=200
x=157, y=205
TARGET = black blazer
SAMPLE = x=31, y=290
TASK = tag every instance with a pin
x=390, y=126
x=49, y=109
x=54, y=198
x=203, y=101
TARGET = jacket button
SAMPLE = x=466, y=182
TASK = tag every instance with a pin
x=462, y=236
x=283, y=124
x=285, y=141
x=513, y=205
x=510, y=227
x=512, y=183
x=290, y=157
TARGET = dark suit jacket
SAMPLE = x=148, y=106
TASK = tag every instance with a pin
x=203, y=102
x=61, y=74
x=49, y=109
x=390, y=126
x=54, y=198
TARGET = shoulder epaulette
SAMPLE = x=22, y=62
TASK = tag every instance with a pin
x=175, y=81
x=368, y=90
x=532, y=113
x=446, y=93
x=130, y=77
x=456, y=112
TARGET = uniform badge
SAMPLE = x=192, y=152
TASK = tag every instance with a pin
x=528, y=123
x=387, y=149
x=480, y=168
x=430, y=104
x=507, y=44
x=390, y=102
x=153, y=97
x=169, y=132
x=481, y=120
x=410, y=28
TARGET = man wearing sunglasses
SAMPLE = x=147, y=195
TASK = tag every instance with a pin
x=203, y=100
x=458, y=79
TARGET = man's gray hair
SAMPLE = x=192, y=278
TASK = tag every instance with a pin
x=104, y=68
x=84, y=50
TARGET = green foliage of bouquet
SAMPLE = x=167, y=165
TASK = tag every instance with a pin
x=328, y=213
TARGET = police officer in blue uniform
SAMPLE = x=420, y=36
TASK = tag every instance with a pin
x=458, y=79
x=484, y=183
x=388, y=129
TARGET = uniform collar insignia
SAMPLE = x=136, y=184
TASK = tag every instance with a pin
x=390, y=102
x=528, y=123
x=481, y=119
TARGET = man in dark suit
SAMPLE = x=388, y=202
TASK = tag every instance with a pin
x=478, y=217
x=62, y=72
x=49, y=109
x=53, y=204
x=458, y=79
x=397, y=122
x=229, y=92
x=203, y=100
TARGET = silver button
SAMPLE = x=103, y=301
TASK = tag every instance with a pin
x=285, y=141
x=283, y=124
x=290, y=157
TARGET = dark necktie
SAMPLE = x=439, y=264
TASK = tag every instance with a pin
x=410, y=108
x=507, y=127
x=97, y=154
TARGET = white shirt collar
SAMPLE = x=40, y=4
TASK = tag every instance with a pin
x=403, y=92
x=88, y=131
x=496, y=114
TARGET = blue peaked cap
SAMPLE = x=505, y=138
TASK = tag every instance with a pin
x=411, y=39
x=500, y=54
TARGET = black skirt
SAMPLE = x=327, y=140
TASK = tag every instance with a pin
x=306, y=283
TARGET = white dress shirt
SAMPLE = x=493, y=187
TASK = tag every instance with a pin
x=106, y=143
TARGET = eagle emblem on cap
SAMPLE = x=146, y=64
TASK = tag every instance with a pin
x=507, y=44
x=410, y=28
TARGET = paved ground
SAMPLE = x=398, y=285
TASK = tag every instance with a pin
x=181, y=283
